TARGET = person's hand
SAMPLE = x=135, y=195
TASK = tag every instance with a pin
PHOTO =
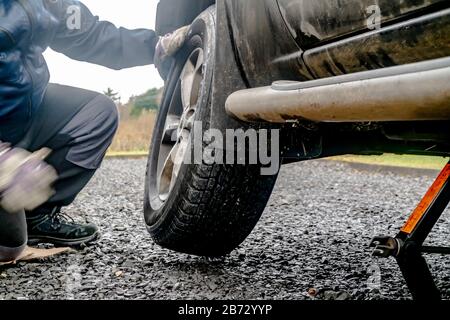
x=167, y=47
x=25, y=179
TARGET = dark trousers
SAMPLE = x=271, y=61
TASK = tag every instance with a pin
x=78, y=125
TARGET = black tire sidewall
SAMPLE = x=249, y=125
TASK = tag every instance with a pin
x=201, y=35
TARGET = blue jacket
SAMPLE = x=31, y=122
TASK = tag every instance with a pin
x=29, y=27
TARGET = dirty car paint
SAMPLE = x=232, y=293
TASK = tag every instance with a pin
x=307, y=39
x=313, y=22
x=260, y=37
x=423, y=38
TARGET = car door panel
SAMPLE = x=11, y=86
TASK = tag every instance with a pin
x=314, y=22
x=419, y=39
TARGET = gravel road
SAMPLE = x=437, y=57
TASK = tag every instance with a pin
x=312, y=240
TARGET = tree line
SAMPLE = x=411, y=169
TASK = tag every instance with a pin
x=147, y=101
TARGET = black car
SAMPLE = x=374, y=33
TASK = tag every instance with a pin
x=323, y=78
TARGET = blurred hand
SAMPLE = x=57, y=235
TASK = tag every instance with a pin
x=167, y=47
x=25, y=179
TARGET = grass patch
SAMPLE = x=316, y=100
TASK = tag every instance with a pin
x=395, y=160
x=134, y=134
x=126, y=154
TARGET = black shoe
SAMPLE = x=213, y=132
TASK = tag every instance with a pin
x=60, y=230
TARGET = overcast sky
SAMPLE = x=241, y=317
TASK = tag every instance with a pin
x=129, y=14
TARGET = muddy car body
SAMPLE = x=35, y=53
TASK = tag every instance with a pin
x=378, y=71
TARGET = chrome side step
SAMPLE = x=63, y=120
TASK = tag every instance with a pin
x=414, y=92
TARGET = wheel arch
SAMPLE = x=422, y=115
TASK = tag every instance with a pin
x=173, y=14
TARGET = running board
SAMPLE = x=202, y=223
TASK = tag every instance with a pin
x=413, y=92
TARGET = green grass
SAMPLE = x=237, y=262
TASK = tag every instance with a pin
x=394, y=160
x=126, y=154
x=407, y=161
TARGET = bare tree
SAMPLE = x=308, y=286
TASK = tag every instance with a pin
x=114, y=96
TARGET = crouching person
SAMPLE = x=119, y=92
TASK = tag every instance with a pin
x=77, y=124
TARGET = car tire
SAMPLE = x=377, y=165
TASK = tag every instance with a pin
x=205, y=210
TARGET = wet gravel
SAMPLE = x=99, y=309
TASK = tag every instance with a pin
x=311, y=243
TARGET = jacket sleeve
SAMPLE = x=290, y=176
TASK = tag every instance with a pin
x=82, y=36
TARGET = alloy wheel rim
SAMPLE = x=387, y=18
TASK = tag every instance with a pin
x=180, y=120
